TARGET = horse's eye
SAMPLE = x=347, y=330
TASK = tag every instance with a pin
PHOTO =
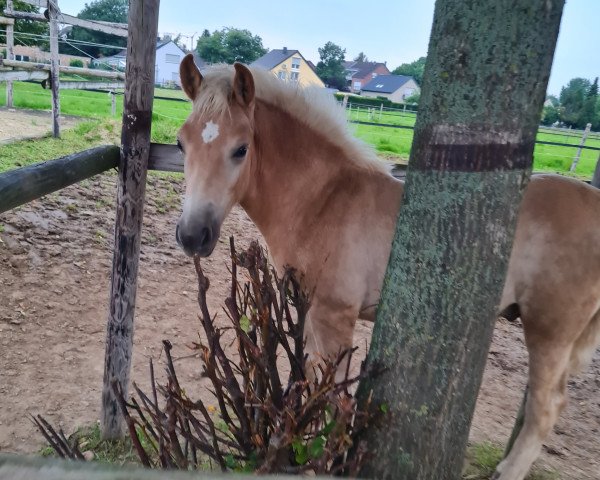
x=240, y=152
x=179, y=146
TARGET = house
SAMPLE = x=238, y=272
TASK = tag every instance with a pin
x=396, y=88
x=359, y=74
x=290, y=66
x=168, y=58
x=24, y=53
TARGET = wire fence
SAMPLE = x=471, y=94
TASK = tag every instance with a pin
x=383, y=118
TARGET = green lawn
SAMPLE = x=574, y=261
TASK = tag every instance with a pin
x=168, y=116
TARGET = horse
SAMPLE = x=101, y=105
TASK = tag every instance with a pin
x=327, y=206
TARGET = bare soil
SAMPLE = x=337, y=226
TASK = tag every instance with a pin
x=20, y=124
x=55, y=262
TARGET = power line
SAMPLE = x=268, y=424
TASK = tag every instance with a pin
x=79, y=42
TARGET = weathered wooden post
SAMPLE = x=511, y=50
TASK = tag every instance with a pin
x=135, y=149
x=485, y=82
x=10, y=43
x=586, y=132
x=54, y=66
x=113, y=103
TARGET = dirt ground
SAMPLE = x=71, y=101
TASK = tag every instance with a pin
x=19, y=124
x=55, y=261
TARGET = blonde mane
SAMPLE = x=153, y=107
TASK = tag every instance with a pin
x=313, y=106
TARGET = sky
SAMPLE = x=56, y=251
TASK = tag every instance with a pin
x=392, y=31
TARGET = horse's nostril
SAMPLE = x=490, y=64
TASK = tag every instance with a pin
x=177, y=237
x=205, y=236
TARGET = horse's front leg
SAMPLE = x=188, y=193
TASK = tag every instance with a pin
x=329, y=329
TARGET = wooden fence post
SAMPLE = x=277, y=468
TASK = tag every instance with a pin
x=113, y=103
x=135, y=149
x=586, y=132
x=54, y=66
x=10, y=43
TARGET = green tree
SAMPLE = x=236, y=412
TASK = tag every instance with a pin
x=230, y=45
x=414, y=98
x=550, y=115
x=108, y=11
x=331, y=67
x=572, y=99
x=414, y=69
x=589, y=112
x=361, y=57
x=553, y=99
x=26, y=28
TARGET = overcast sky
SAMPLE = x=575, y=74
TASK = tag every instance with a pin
x=395, y=31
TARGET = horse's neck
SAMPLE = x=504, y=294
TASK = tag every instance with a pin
x=292, y=165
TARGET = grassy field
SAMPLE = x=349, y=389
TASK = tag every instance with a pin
x=168, y=116
x=550, y=158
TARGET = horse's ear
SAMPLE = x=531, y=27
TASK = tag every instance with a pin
x=243, y=85
x=190, y=76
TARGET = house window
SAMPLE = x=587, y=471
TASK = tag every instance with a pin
x=281, y=74
x=408, y=92
x=171, y=58
x=357, y=85
x=379, y=85
x=374, y=74
x=294, y=76
x=295, y=63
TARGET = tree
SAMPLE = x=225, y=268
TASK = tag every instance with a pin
x=108, y=11
x=414, y=98
x=572, y=98
x=550, y=115
x=455, y=230
x=414, y=69
x=361, y=57
x=331, y=67
x=27, y=28
x=589, y=113
x=230, y=45
x=553, y=99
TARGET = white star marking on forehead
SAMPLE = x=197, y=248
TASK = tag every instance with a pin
x=210, y=132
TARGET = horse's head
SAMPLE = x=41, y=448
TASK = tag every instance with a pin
x=217, y=142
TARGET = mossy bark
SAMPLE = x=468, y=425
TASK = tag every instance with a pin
x=485, y=82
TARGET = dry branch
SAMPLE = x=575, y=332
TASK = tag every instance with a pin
x=302, y=424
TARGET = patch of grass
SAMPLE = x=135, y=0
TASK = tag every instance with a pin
x=481, y=460
x=85, y=135
x=115, y=452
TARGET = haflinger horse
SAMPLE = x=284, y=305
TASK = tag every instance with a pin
x=327, y=206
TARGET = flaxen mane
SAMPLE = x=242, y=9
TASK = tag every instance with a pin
x=313, y=106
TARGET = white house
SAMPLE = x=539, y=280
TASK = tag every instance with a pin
x=168, y=58
x=397, y=88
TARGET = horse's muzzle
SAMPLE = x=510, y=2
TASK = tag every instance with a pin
x=197, y=238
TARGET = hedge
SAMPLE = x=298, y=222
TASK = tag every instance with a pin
x=375, y=102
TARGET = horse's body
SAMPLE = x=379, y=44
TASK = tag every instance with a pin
x=326, y=207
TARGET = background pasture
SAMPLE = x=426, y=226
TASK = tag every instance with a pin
x=168, y=115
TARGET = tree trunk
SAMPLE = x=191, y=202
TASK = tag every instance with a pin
x=135, y=150
x=596, y=177
x=485, y=82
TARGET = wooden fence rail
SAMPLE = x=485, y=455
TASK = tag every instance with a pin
x=25, y=184
x=18, y=65
x=14, y=467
